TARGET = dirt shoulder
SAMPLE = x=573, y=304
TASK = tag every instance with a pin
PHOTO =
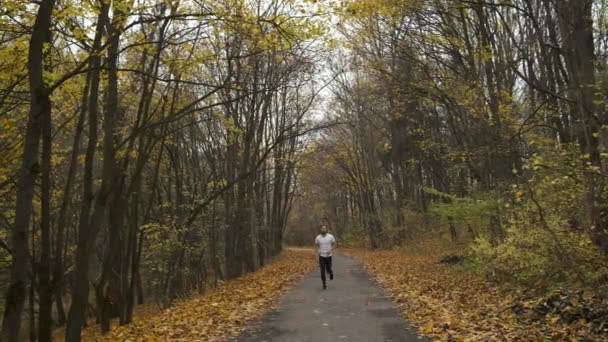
x=448, y=302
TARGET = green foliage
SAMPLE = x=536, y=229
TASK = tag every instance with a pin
x=353, y=237
x=414, y=224
x=533, y=257
x=545, y=242
x=470, y=212
x=540, y=238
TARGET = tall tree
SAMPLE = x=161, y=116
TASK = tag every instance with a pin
x=39, y=116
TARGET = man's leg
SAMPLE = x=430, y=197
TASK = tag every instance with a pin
x=322, y=266
x=329, y=270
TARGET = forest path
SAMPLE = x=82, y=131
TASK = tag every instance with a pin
x=353, y=308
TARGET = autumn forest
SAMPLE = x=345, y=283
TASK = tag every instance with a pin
x=179, y=156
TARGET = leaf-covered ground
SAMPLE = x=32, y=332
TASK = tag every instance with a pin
x=449, y=303
x=219, y=313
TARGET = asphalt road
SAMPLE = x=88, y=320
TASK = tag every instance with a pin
x=353, y=308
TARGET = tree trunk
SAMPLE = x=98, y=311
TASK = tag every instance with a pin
x=576, y=26
x=45, y=290
x=108, y=287
x=86, y=228
x=40, y=106
x=63, y=211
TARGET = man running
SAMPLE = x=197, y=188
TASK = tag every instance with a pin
x=325, y=243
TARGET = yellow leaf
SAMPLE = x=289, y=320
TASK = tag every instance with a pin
x=427, y=328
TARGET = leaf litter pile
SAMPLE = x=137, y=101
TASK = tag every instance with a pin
x=449, y=303
x=219, y=313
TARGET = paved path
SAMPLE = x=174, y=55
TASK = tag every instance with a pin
x=352, y=309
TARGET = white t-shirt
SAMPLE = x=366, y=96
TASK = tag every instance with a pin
x=324, y=244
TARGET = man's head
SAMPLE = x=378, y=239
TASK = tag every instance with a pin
x=323, y=229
